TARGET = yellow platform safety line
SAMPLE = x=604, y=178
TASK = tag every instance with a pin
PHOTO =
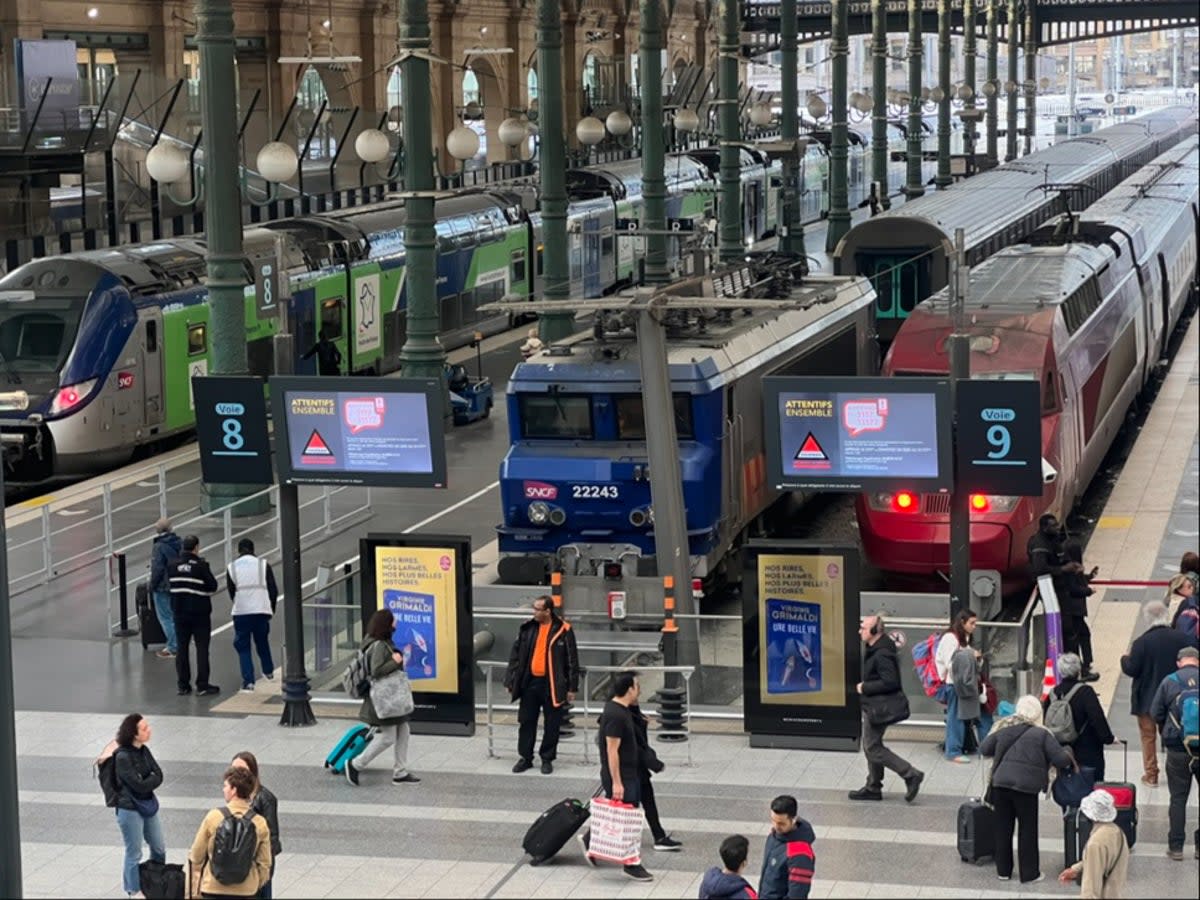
x=1114, y=522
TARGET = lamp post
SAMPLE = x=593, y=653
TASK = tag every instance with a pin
x=879, y=140
x=839, y=193
x=1010, y=86
x=730, y=205
x=1031, y=76
x=654, y=185
x=967, y=91
x=913, y=186
x=552, y=169
x=990, y=87
x=943, y=179
x=792, y=241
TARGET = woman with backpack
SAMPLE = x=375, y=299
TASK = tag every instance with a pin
x=382, y=660
x=1023, y=752
x=226, y=861
x=264, y=803
x=1074, y=716
x=957, y=638
x=136, y=776
x=1187, y=614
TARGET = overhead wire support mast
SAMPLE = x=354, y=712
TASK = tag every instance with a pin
x=960, y=370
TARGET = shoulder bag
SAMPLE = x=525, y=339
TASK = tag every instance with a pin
x=886, y=709
x=392, y=695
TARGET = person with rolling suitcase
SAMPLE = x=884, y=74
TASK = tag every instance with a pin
x=382, y=660
x=1105, y=861
x=553, y=828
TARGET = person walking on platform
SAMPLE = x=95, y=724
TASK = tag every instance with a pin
x=1023, y=751
x=214, y=848
x=788, y=858
x=192, y=587
x=383, y=658
x=1174, y=709
x=618, y=743
x=252, y=588
x=164, y=551
x=1187, y=614
x=725, y=882
x=1077, y=637
x=962, y=629
x=881, y=690
x=1189, y=565
x=266, y=805
x=329, y=357
x=137, y=777
x=649, y=763
x=1105, y=864
x=1087, y=715
x=543, y=676
x=1150, y=659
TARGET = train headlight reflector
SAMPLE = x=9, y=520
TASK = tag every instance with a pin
x=904, y=501
x=558, y=515
x=539, y=513
x=993, y=503
x=69, y=397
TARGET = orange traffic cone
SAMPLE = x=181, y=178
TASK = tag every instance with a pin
x=1048, y=680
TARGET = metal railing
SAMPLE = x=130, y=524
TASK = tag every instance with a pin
x=266, y=526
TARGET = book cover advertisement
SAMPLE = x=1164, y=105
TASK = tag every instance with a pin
x=418, y=586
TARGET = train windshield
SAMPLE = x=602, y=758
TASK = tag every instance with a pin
x=556, y=416
x=36, y=340
x=631, y=418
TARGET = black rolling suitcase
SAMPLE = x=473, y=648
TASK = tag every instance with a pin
x=976, y=831
x=162, y=881
x=553, y=829
x=151, y=628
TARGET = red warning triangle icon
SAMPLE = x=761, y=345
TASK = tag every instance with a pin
x=811, y=449
x=316, y=447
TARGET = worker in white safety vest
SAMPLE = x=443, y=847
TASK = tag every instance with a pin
x=254, y=593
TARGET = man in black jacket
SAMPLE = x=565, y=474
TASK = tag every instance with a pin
x=1150, y=659
x=543, y=674
x=881, y=681
x=192, y=587
x=1047, y=553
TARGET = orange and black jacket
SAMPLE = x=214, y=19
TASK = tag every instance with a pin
x=562, y=660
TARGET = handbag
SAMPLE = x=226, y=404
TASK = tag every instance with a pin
x=1070, y=787
x=886, y=709
x=615, y=832
x=392, y=695
x=147, y=807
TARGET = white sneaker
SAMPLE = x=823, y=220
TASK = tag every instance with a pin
x=247, y=689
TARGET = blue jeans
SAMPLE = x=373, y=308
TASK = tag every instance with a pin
x=258, y=627
x=166, y=618
x=134, y=829
x=956, y=728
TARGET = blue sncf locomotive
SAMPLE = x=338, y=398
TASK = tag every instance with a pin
x=575, y=484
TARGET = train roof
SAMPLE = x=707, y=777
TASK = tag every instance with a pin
x=145, y=269
x=1005, y=191
x=727, y=347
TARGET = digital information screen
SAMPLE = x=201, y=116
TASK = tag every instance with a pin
x=383, y=432
x=848, y=434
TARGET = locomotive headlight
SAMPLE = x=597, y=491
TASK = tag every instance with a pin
x=69, y=397
x=894, y=501
x=992, y=503
x=558, y=515
x=538, y=512
x=642, y=516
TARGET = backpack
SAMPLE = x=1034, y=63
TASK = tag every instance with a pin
x=1185, y=714
x=924, y=658
x=105, y=770
x=1059, y=720
x=234, y=847
x=356, y=680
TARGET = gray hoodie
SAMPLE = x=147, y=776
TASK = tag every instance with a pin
x=964, y=671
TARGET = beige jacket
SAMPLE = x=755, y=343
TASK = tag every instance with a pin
x=1105, y=863
x=202, y=880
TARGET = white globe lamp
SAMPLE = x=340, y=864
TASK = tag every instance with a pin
x=618, y=123
x=936, y=95
x=865, y=103
x=462, y=143
x=372, y=145
x=590, y=131
x=760, y=114
x=277, y=162
x=989, y=88
x=965, y=92
x=816, y=106
x=512, y=131
x=167, y=163
x=686, y=120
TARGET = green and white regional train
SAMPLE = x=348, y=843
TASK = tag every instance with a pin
x=105, y=342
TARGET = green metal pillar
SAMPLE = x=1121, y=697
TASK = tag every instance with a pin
x=943, y=179
x=1031, y=76
x=791, y=241
x=226, y=280
x=993, y=79
x=422, y=355
x=839, y=153
x=969, y=16
x=914, y=185
x=1010, y=127
x=730, y=205
x=552, y=168
x=879, y=134
x=651, y=41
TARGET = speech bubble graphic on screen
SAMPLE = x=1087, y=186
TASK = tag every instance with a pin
x=362, y=413
x=859, y=416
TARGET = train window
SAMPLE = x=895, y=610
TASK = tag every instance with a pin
x=331, y=317
x=555, y=416
x=631, y=418
x=1049, y=394
x=517, y=265
x=152, y=336
x=197, y=339
x=606, y=246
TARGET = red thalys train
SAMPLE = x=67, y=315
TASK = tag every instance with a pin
x=1086, y=308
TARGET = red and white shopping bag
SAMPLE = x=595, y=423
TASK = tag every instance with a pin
x=615, y=832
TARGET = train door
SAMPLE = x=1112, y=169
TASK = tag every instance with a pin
x=304, y=332
x=751, y=229
x=591, y=257
x=152, y=369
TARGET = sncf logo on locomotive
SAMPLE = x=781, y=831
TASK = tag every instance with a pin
x=539, y=490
